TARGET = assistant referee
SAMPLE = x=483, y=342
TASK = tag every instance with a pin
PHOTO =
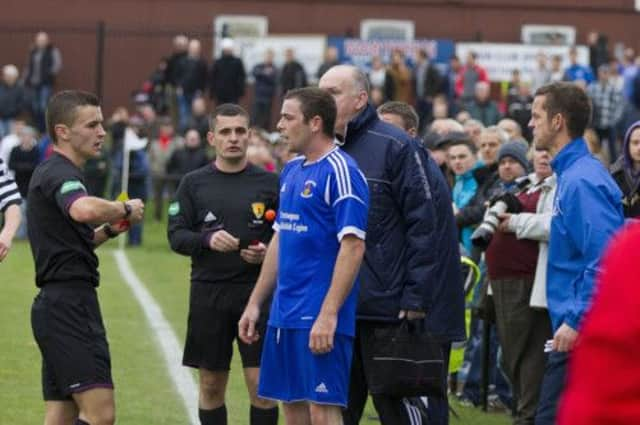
x=220, y=219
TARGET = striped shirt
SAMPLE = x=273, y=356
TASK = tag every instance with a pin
x=9, y=194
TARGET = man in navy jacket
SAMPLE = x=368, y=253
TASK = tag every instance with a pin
x=411, y=264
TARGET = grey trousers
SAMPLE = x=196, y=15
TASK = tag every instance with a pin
x=522, y=332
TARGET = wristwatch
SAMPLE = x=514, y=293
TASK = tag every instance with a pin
x=127, y=210
x=108, y=230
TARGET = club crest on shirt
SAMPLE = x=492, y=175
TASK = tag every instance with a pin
x=258, y=209
x=307, y=192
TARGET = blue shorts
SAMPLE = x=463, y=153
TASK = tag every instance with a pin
x=290, y=372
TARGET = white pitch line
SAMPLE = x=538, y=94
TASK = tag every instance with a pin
x=165, y=337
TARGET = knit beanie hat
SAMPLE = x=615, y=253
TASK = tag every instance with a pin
x=516, y=150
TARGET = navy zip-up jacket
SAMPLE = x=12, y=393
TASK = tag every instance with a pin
x=412, y=260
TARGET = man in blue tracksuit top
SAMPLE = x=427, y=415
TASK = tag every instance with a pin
x=408, y=250
x=587, y=212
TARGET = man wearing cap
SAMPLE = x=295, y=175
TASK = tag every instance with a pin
x=227, y=78
x=512, y=258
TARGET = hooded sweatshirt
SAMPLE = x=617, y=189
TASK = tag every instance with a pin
x=627, y=178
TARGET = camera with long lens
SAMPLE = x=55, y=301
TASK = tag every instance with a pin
x=504, y=203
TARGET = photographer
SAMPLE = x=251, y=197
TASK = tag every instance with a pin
x=514, y=266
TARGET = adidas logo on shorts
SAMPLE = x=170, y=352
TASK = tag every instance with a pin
x=322, y=388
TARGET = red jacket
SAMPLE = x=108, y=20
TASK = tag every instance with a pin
x=482, y=76
x=604, y=371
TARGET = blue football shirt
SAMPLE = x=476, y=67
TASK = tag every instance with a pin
x=320, y=203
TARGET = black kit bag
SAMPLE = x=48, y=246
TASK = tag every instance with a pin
x=407, y=362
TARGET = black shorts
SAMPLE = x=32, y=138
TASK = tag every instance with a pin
x=68, y=328
x=214, y=312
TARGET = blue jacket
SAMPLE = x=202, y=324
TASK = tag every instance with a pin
x=464, y=189
x=587, y=212
x=412, y=260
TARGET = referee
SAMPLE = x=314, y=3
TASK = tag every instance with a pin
x=221, y=219
x=65, y=226
x=9, y=206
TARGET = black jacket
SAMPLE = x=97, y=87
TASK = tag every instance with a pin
x=12, y=100
x=227, y=79
x=630, y=188
x=293, y=76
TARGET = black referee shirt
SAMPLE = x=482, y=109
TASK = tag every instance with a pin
x=208, y=200
x=62, y=248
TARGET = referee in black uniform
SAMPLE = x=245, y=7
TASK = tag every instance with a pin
x=65, y=226
x=221, y=217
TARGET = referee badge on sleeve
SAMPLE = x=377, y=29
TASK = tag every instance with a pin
x=174, y=208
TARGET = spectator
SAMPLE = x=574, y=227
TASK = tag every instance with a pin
x=401, y=115
x=435, y=143
x=598, y=54
x=156, y=88
x=227, y=80
x=441, y=107
x=513, y=266
x=482, y=108
x=511, y=127
x=400, y=76
x=557, y=73
x=199, y=120
x=293, y=75
x=577, y=72
x=265, y=75
x=540, y=74
x=587, y=212
x=462, y=161
x=629, y=71
x=519, y=109
x=452, y=77
x=381, y=81
x=427, y=85
x=513, y=86
x=160, y=151
x=626, y=172
x=176, y=60
x=474, y=129
x=608, y=105
x=44, y=64
x=330, y=60
x=593, y=144
x=192, y=81
x=12, y=99
x=9, y=142
x=468, y=77
x=23, y=160
x=187, y=158
x=487, y=177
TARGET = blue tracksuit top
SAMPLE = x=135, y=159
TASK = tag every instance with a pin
x=587, y=212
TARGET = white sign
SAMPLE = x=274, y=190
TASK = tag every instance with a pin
x=387, y=29
x=240, y=26
x=501, y=59
x=308, y=50
x=559, y=35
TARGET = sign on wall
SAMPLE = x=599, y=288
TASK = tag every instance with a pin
x=501, y=59
x=359, y=52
